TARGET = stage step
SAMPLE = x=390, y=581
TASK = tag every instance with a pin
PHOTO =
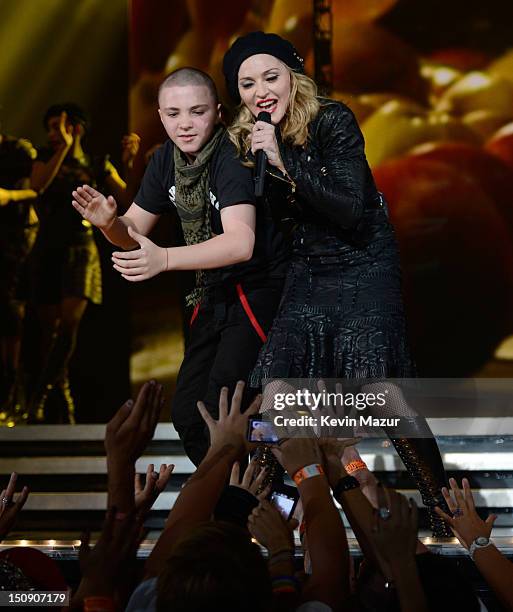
x=65, y=469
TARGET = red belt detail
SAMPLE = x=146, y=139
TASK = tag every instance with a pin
x=194, y=313
x=249, y=312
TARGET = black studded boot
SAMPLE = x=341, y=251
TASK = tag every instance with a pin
x=423, y=462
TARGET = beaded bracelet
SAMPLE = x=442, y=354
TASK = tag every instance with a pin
x=285, y=584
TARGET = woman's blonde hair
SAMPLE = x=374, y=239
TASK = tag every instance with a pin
x=302, y=109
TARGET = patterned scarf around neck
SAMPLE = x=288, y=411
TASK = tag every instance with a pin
x=193, y=201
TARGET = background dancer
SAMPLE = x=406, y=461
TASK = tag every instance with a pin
x=65, y=272
x=18, y=229
x=341, y=315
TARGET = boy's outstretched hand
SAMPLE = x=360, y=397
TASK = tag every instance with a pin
x=95, y=207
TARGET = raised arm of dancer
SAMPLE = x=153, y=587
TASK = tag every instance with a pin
x=43, y=173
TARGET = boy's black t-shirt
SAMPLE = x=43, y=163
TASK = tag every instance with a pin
x=231, y=183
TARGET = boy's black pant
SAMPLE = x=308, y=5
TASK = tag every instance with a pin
x=226, y=334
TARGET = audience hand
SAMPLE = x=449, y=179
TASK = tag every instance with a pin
x=294, y=453
x=466, y=524
x=104, y=568
x=270, y=529
x=252, y=480
x=155, y=484
x=132, y=427
x=231, y=428
x=394, y=533
x=95, y=207
x=332, y=451
x=9, y=508
x=143, y=263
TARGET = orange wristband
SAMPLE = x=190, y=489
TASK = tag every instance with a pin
x=307, y=472
x=354, y=466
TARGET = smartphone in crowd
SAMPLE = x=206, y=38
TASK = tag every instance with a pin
x=285, y=503
x=262, y=431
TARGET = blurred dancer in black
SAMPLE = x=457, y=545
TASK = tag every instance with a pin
x=65, y=272
x=18, y=228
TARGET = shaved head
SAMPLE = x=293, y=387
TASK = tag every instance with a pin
x=189, y=76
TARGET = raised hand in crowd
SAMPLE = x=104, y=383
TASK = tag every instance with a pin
x=332, y=450
x=156, y=482
x=349, y=455
x=126, y=436
x=240, y=497
x=253, y=479
x=130, y=430
x=200, y=495
x=465, y=522
x=272, y=531
x=326, y=536
x=267, y=525
x=105, y=567
x=94, y=207
x=11, y=506
x=347, y=491
x=474, y=534
x=229, y=431
x=294, y=453
x=394, y=536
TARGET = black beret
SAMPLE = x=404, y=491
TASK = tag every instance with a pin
x=253, y=44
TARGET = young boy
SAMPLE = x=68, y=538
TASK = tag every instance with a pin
x=238, y=252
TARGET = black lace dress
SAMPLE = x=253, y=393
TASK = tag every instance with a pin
x=341, y=314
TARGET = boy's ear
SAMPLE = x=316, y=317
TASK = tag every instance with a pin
x=160, y=115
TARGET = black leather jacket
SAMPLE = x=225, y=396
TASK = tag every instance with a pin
x=333, y=194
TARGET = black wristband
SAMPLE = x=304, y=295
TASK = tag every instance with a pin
x=346, y=483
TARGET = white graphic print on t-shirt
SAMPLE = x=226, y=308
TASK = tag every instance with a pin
x=213, y=199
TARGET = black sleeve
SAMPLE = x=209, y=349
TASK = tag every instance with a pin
x=333, y=181
x=153, y=193
x=232, y=182
x=235, y=505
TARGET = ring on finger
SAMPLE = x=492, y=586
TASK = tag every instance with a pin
x=384, y=513
x=457, y=512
